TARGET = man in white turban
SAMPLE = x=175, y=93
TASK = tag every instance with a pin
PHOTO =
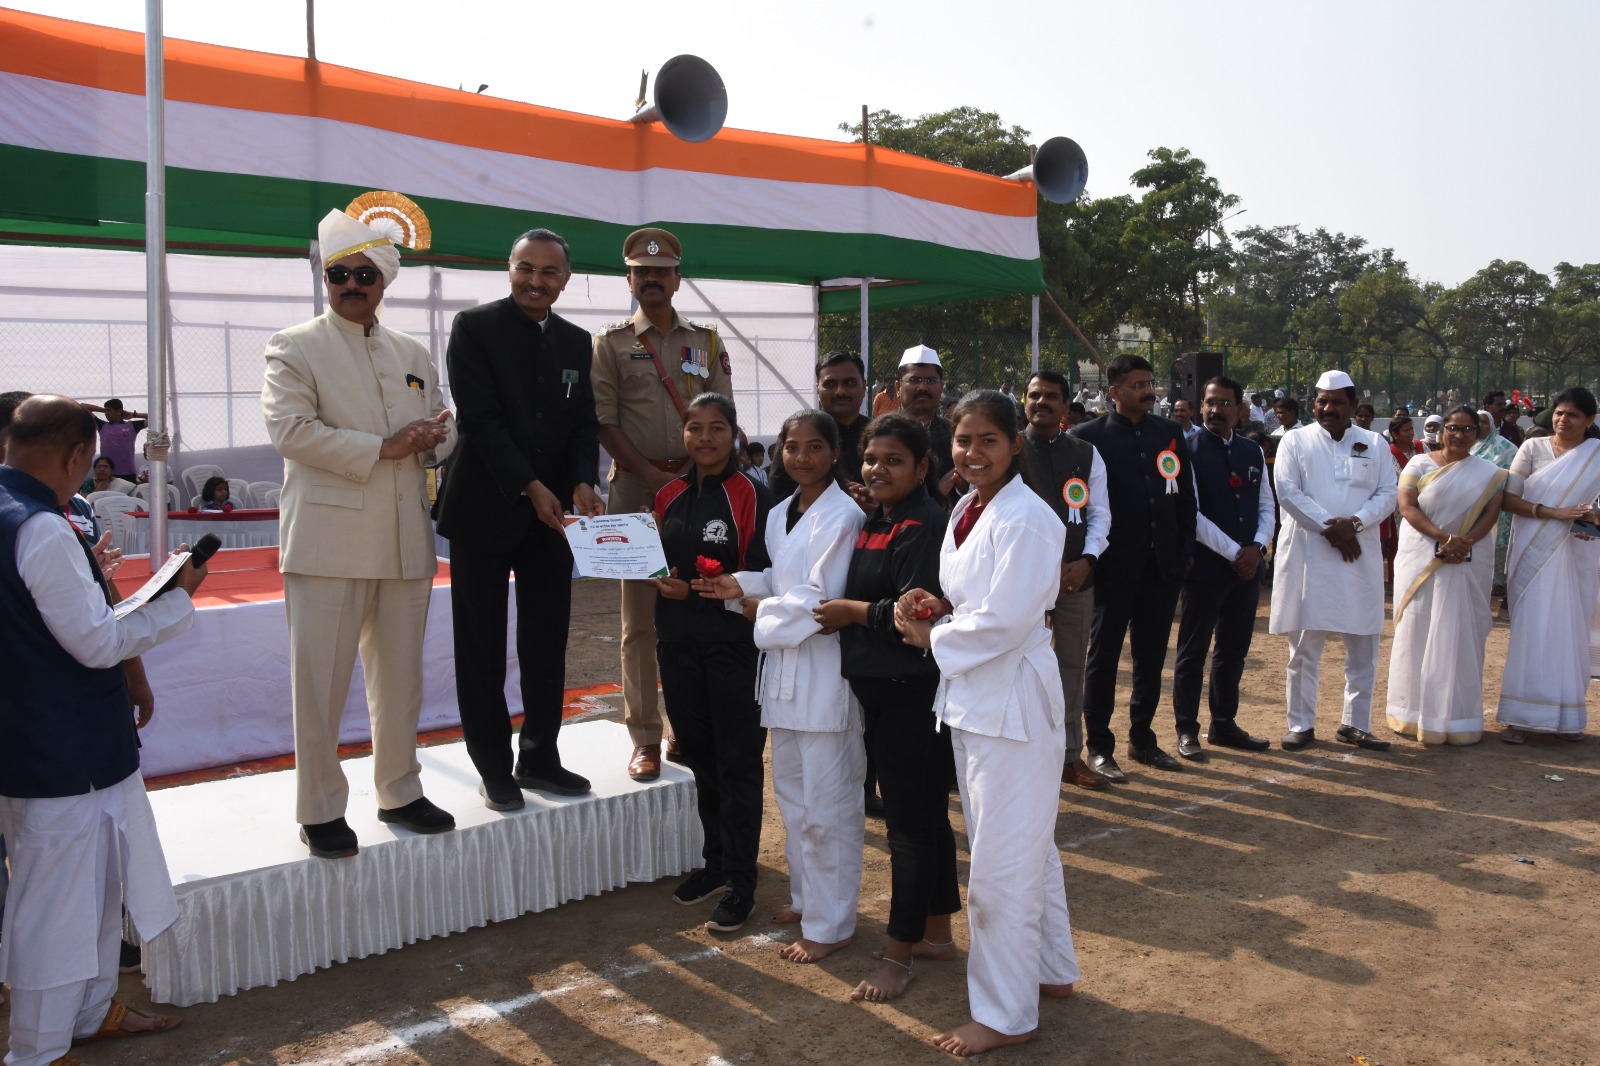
x=1335, y=482
x=355, y=410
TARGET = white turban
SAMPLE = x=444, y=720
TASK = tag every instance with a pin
x=339, y=235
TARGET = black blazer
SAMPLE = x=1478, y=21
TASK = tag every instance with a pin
x=1145, y=517
x=525, y=409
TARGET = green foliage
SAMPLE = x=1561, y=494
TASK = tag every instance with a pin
x=1284, y=302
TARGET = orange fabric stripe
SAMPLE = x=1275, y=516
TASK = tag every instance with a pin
x=100, y=57
x=234, y=575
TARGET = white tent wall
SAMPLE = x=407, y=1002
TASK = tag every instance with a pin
x=73, y=321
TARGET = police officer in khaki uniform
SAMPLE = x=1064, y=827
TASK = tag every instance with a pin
x=646, y=370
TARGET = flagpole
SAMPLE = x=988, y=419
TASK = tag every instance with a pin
x=155, y=277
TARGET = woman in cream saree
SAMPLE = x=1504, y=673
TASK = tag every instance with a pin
x=1552, y=575
x=1449, y=501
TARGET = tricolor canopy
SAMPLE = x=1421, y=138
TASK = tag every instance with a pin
x=259, y=147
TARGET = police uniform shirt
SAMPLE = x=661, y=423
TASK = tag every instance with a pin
x=628, y=392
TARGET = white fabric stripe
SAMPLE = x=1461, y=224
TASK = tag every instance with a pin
x=81, y=120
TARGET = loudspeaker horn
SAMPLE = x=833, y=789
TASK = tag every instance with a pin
x=1060, y=170
x=690, y=99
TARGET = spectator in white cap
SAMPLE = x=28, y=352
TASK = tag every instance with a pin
x=1431, y=428
x=1335, y=483
x=921, y=386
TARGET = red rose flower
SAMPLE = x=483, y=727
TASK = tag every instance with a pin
x=708, y=567
x=1234, y=481
x=227, y=507
x=194, y=510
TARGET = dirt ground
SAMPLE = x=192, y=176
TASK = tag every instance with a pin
x=1323, y=907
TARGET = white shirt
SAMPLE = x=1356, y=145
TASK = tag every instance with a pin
x=1319, y=478
x=1206, y=531
x=54, y=566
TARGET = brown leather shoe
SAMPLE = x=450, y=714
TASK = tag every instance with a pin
x=646, y=762
x=673, y=753
x=1078, y=773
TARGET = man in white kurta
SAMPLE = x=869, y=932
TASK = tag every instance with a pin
x=355, y=410
x=1335, y=483
x=78, y=827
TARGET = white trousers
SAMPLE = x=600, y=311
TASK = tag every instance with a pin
x=1020, y=930
x=1305, y=675
x=817, y=780
x=63, y=927
x=330, y=619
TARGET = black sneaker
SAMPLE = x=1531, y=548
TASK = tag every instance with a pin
x=731, y=913
x=700, y=885
x=130, y=959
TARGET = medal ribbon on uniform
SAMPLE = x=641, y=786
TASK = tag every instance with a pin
x=1168, y=466
x=1076, y=493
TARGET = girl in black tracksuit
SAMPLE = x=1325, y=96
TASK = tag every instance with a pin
x=713, y=520
x=897, y=551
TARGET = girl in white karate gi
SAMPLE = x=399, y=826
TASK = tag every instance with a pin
x=819, y=760
x=1002, y=699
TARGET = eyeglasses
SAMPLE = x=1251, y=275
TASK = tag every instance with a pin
x=1452, y=428
x=1216, y=403
x=921, y=380
x=364, y=275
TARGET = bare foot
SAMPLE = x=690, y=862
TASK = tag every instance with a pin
x=804, y=950
x=975, y=1038
x=1059, y=991
x=887, y=980
x=787, y=916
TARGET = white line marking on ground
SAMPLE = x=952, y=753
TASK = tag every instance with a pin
x=461, y=1016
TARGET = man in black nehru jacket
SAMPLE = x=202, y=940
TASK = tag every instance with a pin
x=1149, y=550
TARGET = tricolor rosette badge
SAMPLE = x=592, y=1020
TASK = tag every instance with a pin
x=708, y=568
x=1167, y=466
x=1076, y=493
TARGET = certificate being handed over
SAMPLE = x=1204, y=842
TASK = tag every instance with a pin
x=625, y=546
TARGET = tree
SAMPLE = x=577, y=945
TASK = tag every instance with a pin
x=1167, y=236
x=1498, y=313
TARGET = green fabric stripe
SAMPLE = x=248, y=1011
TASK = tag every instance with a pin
x=55, y=197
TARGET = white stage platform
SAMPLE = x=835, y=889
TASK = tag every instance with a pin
x=256, y=909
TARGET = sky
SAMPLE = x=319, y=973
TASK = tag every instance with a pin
x=1455, y=133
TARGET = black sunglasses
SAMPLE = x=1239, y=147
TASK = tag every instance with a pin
x=338, y=275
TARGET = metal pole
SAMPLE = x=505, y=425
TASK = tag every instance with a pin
x=155, y=277
x=866, y=289
x=1036, y=335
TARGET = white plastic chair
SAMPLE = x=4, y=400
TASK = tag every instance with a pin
x=196, y=476
x=119, y=525
x=111, y=503
x=258, y=492
x=108, y=493
x=239, y=489
x=142, y=493
x=272, y=498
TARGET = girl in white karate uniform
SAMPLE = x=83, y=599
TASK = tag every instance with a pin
x=1002, y=699
x=818, y=755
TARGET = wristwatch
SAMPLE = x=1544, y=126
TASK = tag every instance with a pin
x=1355, y=521
x=1092, y=560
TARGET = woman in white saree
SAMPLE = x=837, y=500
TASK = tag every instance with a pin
x=1552, y=575
x=1450, y=501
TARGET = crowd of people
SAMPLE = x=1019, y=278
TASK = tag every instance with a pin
x=936, y=594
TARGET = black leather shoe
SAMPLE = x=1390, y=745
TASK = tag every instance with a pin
x=1189, y=747
x=561, y=781
x=421, y=815
x=1154, y=756
x=501, y=794
x=1229, y=735
x=872, y=804
x=330, y=840
x=1107, y=767
x=1295, y=739
x=1349, y=734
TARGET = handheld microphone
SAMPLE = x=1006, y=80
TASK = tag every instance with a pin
x=199, y=555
